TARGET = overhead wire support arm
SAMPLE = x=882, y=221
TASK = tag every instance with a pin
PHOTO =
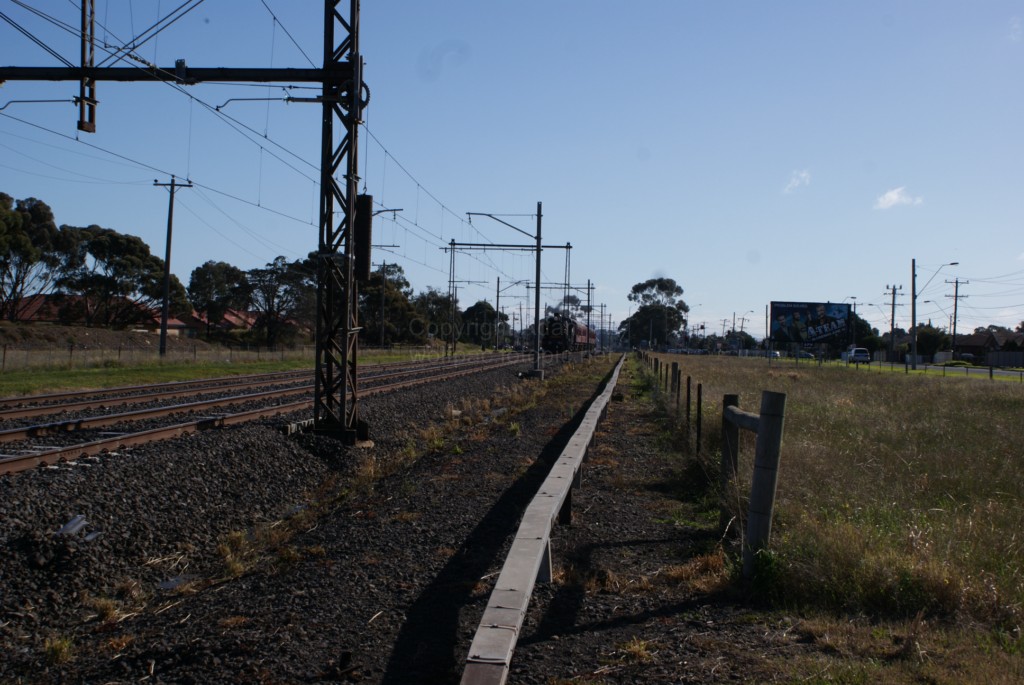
x=500, y=221
x=180, y=74
x=504, y=246
x=538, y=372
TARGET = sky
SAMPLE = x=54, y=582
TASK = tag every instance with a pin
x=753, y=152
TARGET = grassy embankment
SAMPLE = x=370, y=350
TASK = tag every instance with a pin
x=899, y=496
x=111, y=375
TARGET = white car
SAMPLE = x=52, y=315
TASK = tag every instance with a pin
x=859, y=355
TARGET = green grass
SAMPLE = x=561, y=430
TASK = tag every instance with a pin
x=33, y=381
x=36, y=381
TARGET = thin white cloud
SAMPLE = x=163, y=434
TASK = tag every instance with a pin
x=897, y=196
x=1016, y=29
x=797, y=180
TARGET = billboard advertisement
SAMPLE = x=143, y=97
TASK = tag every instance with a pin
x=810, y=323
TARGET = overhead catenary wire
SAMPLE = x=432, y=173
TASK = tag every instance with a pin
x=35, y=40
x=150, y=167
x=261, y=140
x=288, y=33
x=232, y=122
x=213, y=228
x=141, y=39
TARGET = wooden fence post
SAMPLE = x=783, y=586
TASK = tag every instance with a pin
x=700, y=392
x=688, y=379
x=766, y=477
x=729, y=466
x=679, y=389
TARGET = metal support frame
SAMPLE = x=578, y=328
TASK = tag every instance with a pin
x=86, y=99
x=538, y=249
x=335, y=409
x=497, y=306
x=336, y=398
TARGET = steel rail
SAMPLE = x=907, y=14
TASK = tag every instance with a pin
x=157, y=387
x=47, y=399
x=88, y=423
x=47, y=409
x=177, y=389
x=52, y=456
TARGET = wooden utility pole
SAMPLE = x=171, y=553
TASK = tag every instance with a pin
x=956, y=299
x=164, y=310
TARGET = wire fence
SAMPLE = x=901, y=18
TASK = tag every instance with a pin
x=73, y=356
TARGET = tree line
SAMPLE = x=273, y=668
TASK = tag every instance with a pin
x=100, y=277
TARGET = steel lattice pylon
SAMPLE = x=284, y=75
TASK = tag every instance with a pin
x=335, y=408
x=343, y=97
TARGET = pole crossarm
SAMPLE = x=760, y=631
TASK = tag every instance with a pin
x=339, y=73
x=504, y=246
x=538, y=249
x=500, y=221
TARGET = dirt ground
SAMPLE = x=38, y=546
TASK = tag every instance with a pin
x=45, y=336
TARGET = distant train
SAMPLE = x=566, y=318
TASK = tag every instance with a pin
x=564, y=334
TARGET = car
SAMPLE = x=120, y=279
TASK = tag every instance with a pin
x=774, y=354
x=804, y=354
x=859, y=355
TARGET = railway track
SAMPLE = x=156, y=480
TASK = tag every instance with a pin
x=374, y=556
x=23, y=446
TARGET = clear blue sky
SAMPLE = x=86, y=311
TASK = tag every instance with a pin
x=751, y=151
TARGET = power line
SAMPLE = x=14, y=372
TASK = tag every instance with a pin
x=138, y=41
x=144, y=165
x=283, y=28
x=206, y=223
x=35, y=40
x=255, y=236
x=150, y=67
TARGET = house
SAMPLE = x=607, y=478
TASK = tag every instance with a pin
x=233, y=320
x=67, y=310
x=40, y=308
x=997, y=348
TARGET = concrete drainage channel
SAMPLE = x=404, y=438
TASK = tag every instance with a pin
x=529, y=559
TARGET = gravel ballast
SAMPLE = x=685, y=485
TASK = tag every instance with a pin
x=244, y=555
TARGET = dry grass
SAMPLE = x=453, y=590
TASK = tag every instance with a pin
x=119, y=643
x=58, y=649
x=636, y=651
x=232, y=622
x=106, y=609
x=590, y=580
x=897, y=493
x=705, y=573
x=899, y=500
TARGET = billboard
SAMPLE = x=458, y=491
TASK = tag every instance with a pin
x=810, y=323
